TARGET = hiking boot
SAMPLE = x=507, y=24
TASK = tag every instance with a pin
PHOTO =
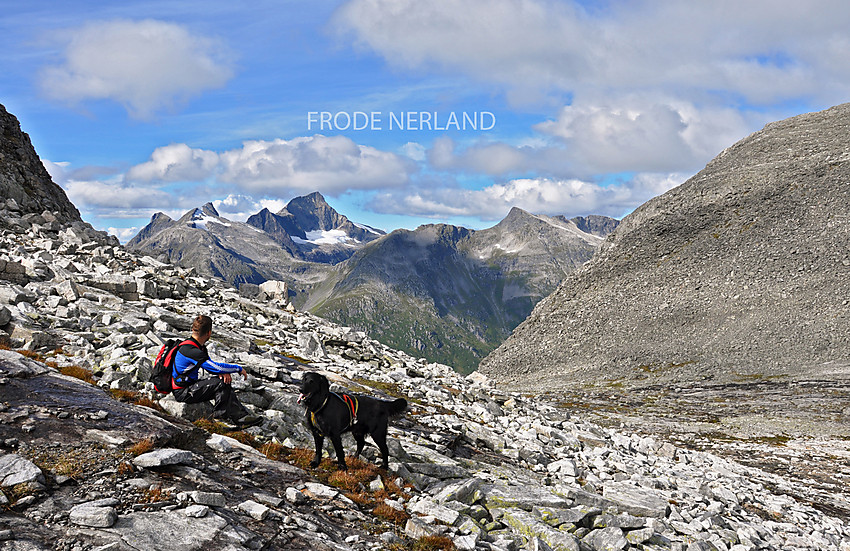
x=248, y=421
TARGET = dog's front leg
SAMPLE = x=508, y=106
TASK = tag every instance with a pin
x=336, y=439
x=319, y=440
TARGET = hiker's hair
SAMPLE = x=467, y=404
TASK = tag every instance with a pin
x=202, y=325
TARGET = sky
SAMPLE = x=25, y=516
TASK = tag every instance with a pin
x=404, y=112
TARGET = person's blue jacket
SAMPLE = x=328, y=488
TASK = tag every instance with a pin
x=190, y=358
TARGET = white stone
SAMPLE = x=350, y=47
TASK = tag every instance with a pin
x=16, y=469
x=163, y=457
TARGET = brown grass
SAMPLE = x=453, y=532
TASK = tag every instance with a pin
x=213, y=426
x=132, y=397
x=125, y=468
x=78, y=373
x=140, y=447
x=388, y=513
x=148, y=403
x=154, y=495
x=433, y=543
x=75, y=462
x=31, y=354
x=346, y=481
x=275, y=451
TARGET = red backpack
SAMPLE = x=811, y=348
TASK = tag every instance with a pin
x=164, y=364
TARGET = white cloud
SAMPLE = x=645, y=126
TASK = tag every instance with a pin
x=631, y=134
x=765, y=51
x=280, y=168
x=645, y=134
x=58, y=170
x=175, y=163
x=241, y=207
x=498, y=158
x=537, y=195
x=123, y=234
x=333, y=165
x=93, y=194
x=414, y=150
x=146, y=66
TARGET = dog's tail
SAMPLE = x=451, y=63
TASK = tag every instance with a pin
x=397, y=407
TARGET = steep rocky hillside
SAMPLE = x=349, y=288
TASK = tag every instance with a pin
x=743, y=271
x=91, y=457
x=449, y=293
x=25, y=181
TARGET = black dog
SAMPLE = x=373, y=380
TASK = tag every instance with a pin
x=330, y=414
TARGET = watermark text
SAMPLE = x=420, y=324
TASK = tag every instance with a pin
x=400, y=120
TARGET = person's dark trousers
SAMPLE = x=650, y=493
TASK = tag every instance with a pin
x=227, y=405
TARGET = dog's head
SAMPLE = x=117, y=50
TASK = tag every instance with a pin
x=313, y=385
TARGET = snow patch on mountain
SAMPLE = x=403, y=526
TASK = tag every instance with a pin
x=326, y=237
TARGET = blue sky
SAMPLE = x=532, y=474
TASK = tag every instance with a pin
x=140, y=107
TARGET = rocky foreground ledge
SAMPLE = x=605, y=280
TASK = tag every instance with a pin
x=89, y=462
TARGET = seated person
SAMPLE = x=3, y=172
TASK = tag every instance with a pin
x=190, y=358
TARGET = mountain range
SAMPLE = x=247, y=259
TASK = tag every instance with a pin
x=740, y=273
x=92, y=457
x=445, y=292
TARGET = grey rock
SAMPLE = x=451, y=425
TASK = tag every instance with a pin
x=5, y=316
x=225, y=444
x=573, y=515
x=191, y=412
x=438, y=471
x=415, y=529
x=213, y=499
x=522, y=497
x=606, y=539
x=531, y=526
x=320, y=490
x=255, y=510
x=311, y=344
x=196, y=511
x=93, y=515
x=429, y=508
x=68, y=290
x=16, y=469
x=537, y=544
x=636, y=500
x=163, y=457
x=465, y=491
x=636, y=537
x=148, y=531
x=182, y=323
x=466, y=543
x=295, y=497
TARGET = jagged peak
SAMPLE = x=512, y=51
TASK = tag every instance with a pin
x=160, y=217
x=313, y=200
x=209, y=208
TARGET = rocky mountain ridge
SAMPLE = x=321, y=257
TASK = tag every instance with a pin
x=450, y=293
x=472, y=467
x=740, y=272
x=445, y=292
x=310, y=229
x=89, y=458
